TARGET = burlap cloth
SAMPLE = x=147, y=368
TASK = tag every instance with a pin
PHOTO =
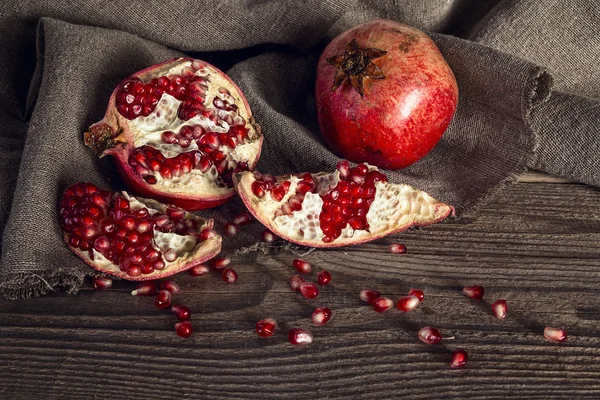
x=60, y=60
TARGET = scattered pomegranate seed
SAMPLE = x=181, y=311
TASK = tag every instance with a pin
x=324, y=278
x=369, y=295
x=417, y=292
x=302, y=266
x=382, y=304
x=299, y=337
x=321, y=316
x=220, y=263
x=266, y=327
x=182, y=312
x=229, y=275
x=145, y=289
x=268, y=236
x=309, y=290
x=397, y=248
x=295, y=282
x=102, y=283
x=555, y=334
x=430, y=335
x=499, y=308
x=184, y=329
x=231, y=229
x=407, y=303
x=459, y=359
x=243, y=219
x=473, y=292
x=163, y=299
x=198, y=270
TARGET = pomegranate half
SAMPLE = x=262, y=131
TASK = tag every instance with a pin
x=330, y=209
x=133, y=238
x=178, y=131
x=384, y=94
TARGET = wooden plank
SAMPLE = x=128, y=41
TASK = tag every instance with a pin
x=536, y=244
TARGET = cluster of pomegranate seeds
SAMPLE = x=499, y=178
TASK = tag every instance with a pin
x=459, y=359
x=229, y=275
x=321, y=316
x=499, y=308
x=555, y=334
x=100, y=220
x=324, y=278
x=397, y=248
x=266, y=327
x=382, y=304
x=101, y=282
x=430, y=335
x=299, y=337
x=407, y=303
x=198, y=270
x=302, y=266
x=145, y=289
x=474, y=292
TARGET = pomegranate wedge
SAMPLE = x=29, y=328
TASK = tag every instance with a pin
x=178, y=131
x=348, y=206
x=133, y=238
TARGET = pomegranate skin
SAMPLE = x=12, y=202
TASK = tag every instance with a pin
x=401, y=117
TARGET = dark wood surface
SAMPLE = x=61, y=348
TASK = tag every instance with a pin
x=536, y=244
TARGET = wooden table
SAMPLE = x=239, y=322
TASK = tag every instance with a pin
x=535, y=244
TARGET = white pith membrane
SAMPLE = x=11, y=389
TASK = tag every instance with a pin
x=147, y=131
x=395, y=206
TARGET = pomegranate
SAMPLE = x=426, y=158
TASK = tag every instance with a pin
x=348, y=206
x=384, y=94
x=178, y=130
x=132, y=238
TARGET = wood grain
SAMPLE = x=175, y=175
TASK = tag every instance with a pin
x=536, y=244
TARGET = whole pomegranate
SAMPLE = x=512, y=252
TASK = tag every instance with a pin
x=178, y=131
x=384, y=94
x=348, y=206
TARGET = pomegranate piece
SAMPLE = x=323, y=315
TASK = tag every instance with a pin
x=172, y=129
x=163, y=299
x=408, y=303
x=299, y=337
x=295, y=281
x=132, y=238
x=266, y=327
x=309, y=290
x=430, y=335
x=321, y=316
x=474, y=292
x=459, y=359
x=324, y=278
x=387, y=82
x=268, y=236
x=369, y=295
x=417, y=292
x=336, y=209
x=182, y=312
x=199, y=270
x=397, y=248
x=219, y=264
x=170, y=286
x=302, y=266
x=229, y=275
x=555, y=334
x=499, y=308
x=382, y=304
x=101, y=283
x=145, y=289
x=184, y=329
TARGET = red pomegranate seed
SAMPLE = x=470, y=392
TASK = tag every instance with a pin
x=170, y=286
x=407, y=303
x=295, y=281
x=231, y=229
x=302, y=266
x=321, y=316
x=459, y=359
x=198, y=270
x=299, y=337
x=182, y=312
x=101, y=282
x=258, y=189
x=344, y=168
x=324, y=278
x=243, y=218
x=473, y=292
x=417, y=292
x=171, y=255
x=163, y=299
x=555, y=334
x=397, y=248
x=219, y=263
x=229, y=275
x=268, y=236
x=266, y=327
x=309, y=290
x=184, y=329
x=207, y=234
x=430, y=335
x=499, y=308
x=382, y=304
x=145, y=289
x=134, y=270
x=369, y=295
